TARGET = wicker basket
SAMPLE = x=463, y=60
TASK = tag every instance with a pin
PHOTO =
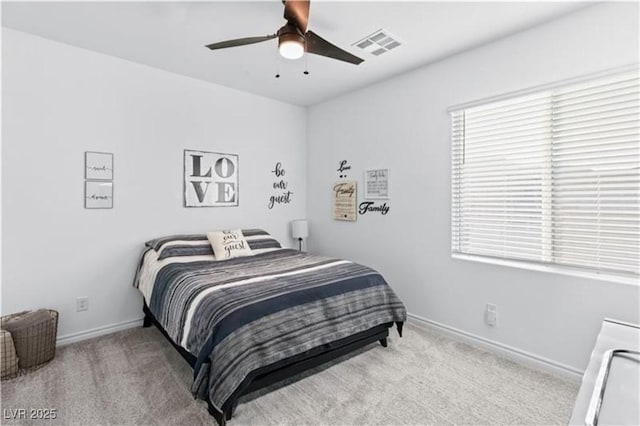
x=34, y=337
x=9, y=360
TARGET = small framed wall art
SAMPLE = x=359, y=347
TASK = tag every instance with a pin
x=98, y=194
x=98, y=165
x=376, y=184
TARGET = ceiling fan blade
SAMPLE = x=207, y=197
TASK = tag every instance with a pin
x=240, y=42
x=297, y=12
x=319, y=46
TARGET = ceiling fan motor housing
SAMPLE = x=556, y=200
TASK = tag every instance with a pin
x=290, y=33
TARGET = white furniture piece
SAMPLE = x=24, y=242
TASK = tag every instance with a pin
x=299, y=231
x=610, y=390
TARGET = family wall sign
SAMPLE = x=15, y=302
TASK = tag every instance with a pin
x=210, y=179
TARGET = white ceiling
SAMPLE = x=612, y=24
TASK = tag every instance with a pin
x=172, y=35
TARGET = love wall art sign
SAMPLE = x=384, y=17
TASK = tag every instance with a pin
x=210, y=179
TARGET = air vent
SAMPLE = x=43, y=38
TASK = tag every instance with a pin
x=378, y=43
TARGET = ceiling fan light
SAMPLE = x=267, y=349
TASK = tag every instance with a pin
x=291, y=49
x=291, y=46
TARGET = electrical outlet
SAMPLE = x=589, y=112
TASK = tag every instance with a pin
x=491, y=315
x=82, y=304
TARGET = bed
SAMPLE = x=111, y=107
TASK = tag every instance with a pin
x=248, y=322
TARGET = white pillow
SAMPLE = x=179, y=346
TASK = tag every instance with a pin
x=229, y=244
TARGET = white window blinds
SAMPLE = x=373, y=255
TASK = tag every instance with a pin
x=552, y=177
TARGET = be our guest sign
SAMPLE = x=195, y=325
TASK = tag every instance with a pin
x=210, y=179
x=282, y=194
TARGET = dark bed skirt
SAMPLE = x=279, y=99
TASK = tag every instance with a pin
x=285, y=368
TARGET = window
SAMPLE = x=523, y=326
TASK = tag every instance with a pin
x=552, y=177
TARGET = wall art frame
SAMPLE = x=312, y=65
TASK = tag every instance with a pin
x=98, y=194
x=377, y=184
x=98, y=165
x=345, y=200
x=211, y=179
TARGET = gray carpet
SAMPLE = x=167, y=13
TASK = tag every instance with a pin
x=136, y=377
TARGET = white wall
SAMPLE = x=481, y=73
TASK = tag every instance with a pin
x=403, y=124
x=59, y=101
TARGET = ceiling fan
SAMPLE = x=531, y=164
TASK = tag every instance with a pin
x=293, y=37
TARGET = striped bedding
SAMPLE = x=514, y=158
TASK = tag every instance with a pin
x=243, y=314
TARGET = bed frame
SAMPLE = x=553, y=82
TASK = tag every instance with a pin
x=285, y=368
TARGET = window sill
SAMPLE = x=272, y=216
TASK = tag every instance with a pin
x=554, y=269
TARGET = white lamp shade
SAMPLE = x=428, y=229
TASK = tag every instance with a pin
x=300, y=229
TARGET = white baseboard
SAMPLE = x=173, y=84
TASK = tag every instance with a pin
x=505, y=350
x=510, y=352
x=99, y=331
